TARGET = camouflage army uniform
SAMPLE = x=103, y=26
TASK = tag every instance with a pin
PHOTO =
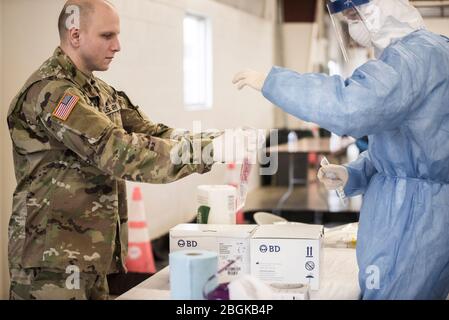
x=71, y=163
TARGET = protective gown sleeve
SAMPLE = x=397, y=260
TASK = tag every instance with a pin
x=360, y=173
x=377, y=97
x=140, y=157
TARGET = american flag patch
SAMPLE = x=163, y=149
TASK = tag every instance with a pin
x=65, y=106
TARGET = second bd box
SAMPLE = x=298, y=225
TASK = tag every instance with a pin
x=287, y=254
x=230, y=242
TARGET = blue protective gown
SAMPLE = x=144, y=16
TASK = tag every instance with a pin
x=401, y=101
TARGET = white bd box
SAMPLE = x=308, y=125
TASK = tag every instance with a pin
x=230, y=242
x=287, y=254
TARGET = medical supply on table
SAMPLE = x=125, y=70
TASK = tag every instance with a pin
x=287, y=254
x=230, y=242
x=250, y=288
x=340, y=190
x=267, y=218
x=220, y=292
x=344, y=236
x=243, y=185
x=219, y=204
x=189, y=272
x=216, y=204
x=296, y=292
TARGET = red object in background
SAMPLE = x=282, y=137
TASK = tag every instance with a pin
x=140, y=254
x=313, y=158
x=233, y=179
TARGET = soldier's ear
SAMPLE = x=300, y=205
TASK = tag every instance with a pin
x=74, y=37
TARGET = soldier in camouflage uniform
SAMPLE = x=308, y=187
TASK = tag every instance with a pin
x=75, y=142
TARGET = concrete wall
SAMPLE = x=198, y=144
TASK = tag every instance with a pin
x=299, y=42
x=150, y=70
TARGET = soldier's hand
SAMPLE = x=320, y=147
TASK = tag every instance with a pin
x=234, y=145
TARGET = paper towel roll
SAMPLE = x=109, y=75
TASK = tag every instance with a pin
x=189, y=272
x=217, y=204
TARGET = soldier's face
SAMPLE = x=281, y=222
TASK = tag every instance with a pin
x=100, y=40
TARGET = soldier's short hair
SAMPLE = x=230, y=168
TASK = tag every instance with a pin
x=85, y=9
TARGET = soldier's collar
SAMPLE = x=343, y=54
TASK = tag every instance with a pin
x=87, y=84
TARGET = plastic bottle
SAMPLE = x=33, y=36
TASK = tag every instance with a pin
x=292, y=141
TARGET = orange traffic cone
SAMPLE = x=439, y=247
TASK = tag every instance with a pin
x=140, y=255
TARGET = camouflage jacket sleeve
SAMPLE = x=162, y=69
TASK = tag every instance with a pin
x=134, y=120
x=125, y=155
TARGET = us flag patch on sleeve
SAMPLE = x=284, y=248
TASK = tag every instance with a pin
x=65, y=106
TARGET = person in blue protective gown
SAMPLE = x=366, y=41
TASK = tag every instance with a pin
x=401, y=101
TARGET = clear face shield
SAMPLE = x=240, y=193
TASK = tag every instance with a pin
x=349, y=19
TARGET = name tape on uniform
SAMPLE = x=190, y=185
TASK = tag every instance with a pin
x=65, y=106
